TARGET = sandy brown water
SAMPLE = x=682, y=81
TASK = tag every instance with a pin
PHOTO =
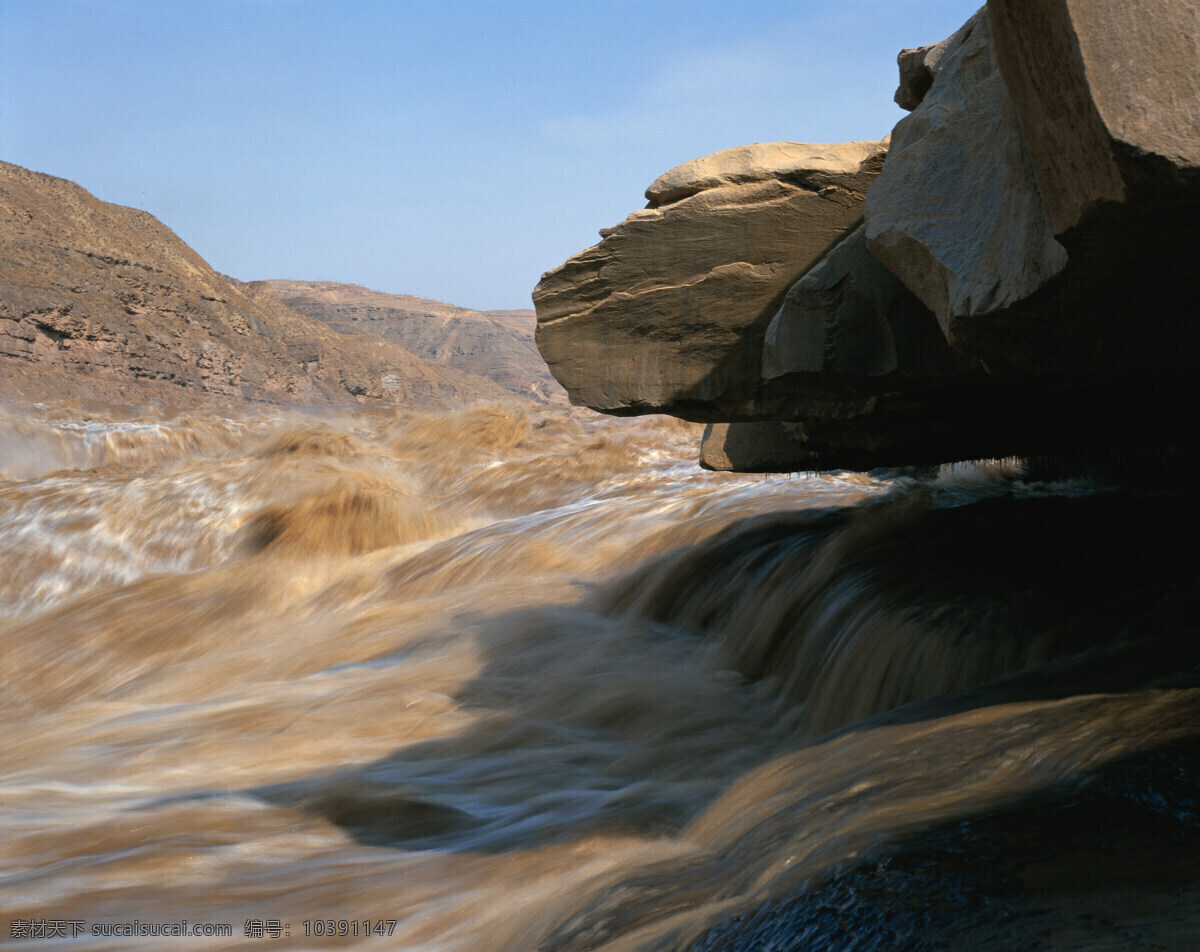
x=519, y=679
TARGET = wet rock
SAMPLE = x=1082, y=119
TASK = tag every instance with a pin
x=767, y=447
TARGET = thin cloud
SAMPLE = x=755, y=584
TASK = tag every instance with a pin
x=751, y=85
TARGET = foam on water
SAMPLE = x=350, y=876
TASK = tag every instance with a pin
x=532, y=680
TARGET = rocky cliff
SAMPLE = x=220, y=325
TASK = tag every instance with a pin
x=104, y=302
x=1011, y=280
x=497, y=345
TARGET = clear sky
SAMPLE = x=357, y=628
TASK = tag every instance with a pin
x=453, y=149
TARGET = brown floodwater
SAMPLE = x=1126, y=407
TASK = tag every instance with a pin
x=504, y=680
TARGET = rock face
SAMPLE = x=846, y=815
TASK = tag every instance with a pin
x=1107, y=96
x=1039, y=173
x=1019, y=286
x=850, y=317
x=103, y=302
x=956, y=213
x=497, y=345
x=668, y=312
x=767, y=447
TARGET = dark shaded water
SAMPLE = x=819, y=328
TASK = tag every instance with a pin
x=526, y=680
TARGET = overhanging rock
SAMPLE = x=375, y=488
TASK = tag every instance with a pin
x=667, y=313
x=1021, y=286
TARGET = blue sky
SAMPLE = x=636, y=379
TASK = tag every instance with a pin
x=453, y=149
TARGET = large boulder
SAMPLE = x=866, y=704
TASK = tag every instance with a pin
x=668, y=312
x=1044, y=189
x=1021, y=285
x=1107, y=96
x=956, y=212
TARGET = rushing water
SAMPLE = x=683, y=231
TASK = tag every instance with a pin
x=513, y=680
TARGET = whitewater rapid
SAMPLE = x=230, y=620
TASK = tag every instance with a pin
x=526, y=678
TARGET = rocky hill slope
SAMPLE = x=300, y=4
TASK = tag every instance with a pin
x=498, y=345
x=1013, y=279
x=104, y=302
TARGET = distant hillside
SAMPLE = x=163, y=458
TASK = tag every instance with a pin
x=104, y=302
x=494, y=344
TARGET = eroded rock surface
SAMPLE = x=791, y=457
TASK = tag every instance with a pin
x=850, y=317
x=1107, y=96
x=1041, y=196
x=1020, y=285
x=770, y=446
x=956, y=213
x=668, y=312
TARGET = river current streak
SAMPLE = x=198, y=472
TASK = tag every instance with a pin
x=526, y=678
